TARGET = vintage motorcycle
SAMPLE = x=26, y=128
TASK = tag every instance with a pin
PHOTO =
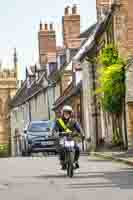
x=66, y=140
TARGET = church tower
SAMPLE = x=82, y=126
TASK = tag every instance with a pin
x=8, y=88
x=15, y=62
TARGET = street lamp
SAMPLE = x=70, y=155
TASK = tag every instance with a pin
x=47, y=85
x=51, y=84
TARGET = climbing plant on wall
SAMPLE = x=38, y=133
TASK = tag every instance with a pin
x=112, y=88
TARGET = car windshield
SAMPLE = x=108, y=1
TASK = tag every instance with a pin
x=40, y=127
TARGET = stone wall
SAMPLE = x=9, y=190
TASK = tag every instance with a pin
x=39, y=108
x=129, y=102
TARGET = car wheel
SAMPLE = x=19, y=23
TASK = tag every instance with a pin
x=23, y=153
x=28, y=153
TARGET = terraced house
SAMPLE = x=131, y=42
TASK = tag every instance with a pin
x=113, y=27
x=46, y=83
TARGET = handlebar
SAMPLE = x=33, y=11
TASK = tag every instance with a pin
x=68, y=134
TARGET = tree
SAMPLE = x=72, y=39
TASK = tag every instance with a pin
x=112, y=88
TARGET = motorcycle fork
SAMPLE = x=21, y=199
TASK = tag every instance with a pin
x=69, y=155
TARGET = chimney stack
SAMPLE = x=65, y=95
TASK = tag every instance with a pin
x=71, y=28
x=47, y=44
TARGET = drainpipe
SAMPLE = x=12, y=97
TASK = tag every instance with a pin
x=95, y=105
x=49, y=115
x=125, y=116
x=30, y=112
x=51, y=84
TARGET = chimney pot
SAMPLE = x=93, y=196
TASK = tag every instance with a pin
x=41, y=27
x=46, y=26
x=51, y=27
x=67, y=10
x=74, y=9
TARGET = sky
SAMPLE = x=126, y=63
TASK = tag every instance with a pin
x=19, y=25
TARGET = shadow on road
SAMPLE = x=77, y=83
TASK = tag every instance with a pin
x=99, y=160
x=52, y=176
x=122, y=179
x=59, y=176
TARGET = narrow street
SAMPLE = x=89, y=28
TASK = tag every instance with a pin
x=38, y=178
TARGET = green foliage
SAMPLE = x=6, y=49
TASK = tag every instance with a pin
x=4, y=150
x=110, y=56
x=111, y=80
x=117, y=138
x=112, y=88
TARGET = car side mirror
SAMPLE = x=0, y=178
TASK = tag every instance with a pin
x=25, y=131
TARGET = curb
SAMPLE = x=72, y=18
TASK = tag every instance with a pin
x=84, y=153
x=108, y=157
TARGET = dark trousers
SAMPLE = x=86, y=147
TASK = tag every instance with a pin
x=62, y=153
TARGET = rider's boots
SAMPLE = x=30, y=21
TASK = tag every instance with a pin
x=76, y=165
x=63, y=166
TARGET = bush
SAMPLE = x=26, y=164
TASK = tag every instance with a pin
x=112, y=87
x=4, y=150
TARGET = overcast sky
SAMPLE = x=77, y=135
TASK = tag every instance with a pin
x=19, y=23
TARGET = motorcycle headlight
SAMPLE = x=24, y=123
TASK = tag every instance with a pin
x=61, y=142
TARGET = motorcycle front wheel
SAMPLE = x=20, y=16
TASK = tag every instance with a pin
x=70, y=167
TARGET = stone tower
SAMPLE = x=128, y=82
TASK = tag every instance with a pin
x=71, y=27
x=47, y=44
x=102, y=7
x=123, y=23
x=103, y=3
x=8, y=87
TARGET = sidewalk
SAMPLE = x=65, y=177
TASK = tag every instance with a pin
x=125, y=157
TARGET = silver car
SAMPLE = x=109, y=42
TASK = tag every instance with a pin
x=38, y=138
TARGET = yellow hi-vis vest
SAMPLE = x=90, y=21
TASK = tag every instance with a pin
x=63, y=125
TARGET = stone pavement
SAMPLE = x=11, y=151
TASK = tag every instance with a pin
x=125, y=156
x=39, y=178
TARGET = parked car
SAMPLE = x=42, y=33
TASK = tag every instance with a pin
x=38, y=138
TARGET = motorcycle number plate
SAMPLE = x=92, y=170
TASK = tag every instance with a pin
x=61, y=141
x=69, y=143
x=47, y=143
x=44, y=143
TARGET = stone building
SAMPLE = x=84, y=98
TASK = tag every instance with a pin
x=75, y=86
x=61, y=70
x=8, y=88
x=123, y=36
x=29, y=104
x=114, y=25
x=96, y=122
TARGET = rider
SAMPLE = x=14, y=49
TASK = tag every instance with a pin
x=67, y=124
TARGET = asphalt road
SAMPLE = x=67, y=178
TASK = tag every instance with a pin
x=41, y=179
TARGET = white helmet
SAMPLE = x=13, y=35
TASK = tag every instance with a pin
x=67, y=109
